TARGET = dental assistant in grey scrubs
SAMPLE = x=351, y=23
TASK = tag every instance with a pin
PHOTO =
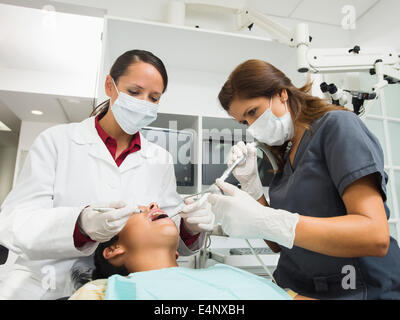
x=327, y=213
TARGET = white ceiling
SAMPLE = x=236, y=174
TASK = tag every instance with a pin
x=329, y=12
x=321, y=11
x=270, y=7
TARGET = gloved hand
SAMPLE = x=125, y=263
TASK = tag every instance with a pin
x=197, y=215
x=102, y=226
x=241, y=216
x=247, y=172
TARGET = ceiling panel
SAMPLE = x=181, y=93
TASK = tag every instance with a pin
x=280, y=8
x=21, y=103
x=327, y=11
x=76, y=109
x=58, y=109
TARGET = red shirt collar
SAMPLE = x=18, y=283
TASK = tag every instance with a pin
x=111, y=143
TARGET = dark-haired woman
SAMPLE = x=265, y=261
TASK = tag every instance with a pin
x=49, y=218
x=327, y=213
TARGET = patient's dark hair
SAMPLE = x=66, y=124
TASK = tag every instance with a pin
x=103, y=268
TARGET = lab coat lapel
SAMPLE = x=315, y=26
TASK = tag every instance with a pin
x=86, y=133
x=137, y=158
x=99, y=150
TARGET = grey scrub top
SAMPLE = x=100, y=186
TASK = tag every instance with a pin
x=339, y=151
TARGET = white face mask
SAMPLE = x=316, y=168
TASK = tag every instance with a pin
x=272, y=130
x=133, y=114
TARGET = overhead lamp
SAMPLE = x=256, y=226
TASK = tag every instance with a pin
x=37, y=112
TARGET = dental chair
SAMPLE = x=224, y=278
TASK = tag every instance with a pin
x=3, y=255
x=81, y=273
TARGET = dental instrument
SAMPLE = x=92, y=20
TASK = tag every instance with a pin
x=218, y=228
x=102, y=210
x=214, y=188
x=260, y=261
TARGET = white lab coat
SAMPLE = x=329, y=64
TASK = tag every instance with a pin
x=67, y=168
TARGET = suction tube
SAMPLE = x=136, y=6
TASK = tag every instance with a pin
x=267, y=152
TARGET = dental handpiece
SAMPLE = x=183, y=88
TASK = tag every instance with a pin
x=102, y=210
x=214, y=188
x=230, y=169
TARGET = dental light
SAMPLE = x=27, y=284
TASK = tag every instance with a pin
x=341, y=97
x=383, y=62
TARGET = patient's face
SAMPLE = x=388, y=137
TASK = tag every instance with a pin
x=150, y=229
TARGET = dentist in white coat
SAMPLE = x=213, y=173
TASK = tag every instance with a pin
x=48, y=218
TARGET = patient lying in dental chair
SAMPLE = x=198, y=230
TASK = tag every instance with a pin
x=140, y=263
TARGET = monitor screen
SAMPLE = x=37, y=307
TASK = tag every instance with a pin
x=180, y=145
x=215, y=157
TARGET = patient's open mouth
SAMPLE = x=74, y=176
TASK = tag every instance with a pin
x=157, y=215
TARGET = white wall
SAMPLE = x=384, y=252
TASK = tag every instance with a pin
x=28, y=133
x=193, y=92
x=49, y=52
x=7, y=164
